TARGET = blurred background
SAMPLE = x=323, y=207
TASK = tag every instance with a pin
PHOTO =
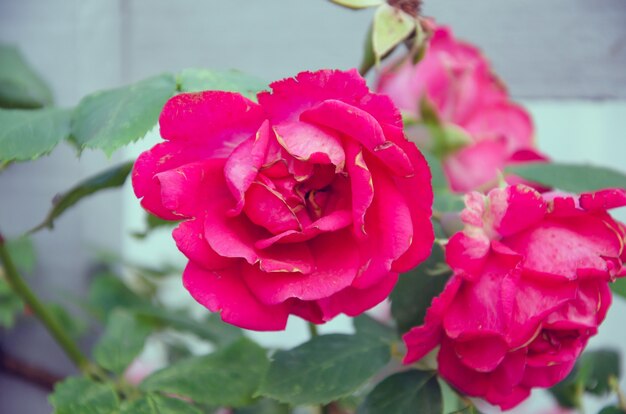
x=564, y=59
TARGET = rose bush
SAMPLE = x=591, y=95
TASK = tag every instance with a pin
x=308, y=203
x=530, y=287
x=484, y=130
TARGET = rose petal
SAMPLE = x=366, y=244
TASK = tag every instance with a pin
x=335, y=265
x=223, y=291
x=311, y=143
x=190, y=240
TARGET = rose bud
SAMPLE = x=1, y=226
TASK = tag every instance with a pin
x=530, y=287
x=481, y=130
x=307, y=203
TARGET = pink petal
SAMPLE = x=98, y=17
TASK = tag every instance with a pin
x=502, y=119
x=224, y=291
x=361, y=185
x=389, y=228
x=353, y=301
x=514, y=208
x=218, y=121
x=546, y=376
x=243, y=164
x=190, y=240
x=476, y=166
x=289, y=97
x=604, y=199
x=362, y=127
x=567, y=247
x=267, y=208
x=186, y=190
x=310, y=143
x=423, y=339
x=482, y=354
x=418, y=194
x=335, y=265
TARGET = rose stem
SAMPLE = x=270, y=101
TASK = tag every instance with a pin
x=19, y=286
x=313, y=330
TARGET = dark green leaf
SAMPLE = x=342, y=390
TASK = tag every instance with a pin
x=29, y=134
x=20, y=85
x=436, y=170
x=391, y=26
x=264, y=406
x=83, y=396
x=197, y=80
x=122, y=341
x=619, y=287
x=406, y=392
x=324, y=369
x=358, y=4
x=576, y=178
x=597, y=368
x=109, y=120
x=229, y=376
x=611, y=410
x=158, y=404
x=365, y=325
x=110, y=178
x=416, y=289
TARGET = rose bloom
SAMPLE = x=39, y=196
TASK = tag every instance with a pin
x=530, y=287
x=307, y=203
x=471, y=103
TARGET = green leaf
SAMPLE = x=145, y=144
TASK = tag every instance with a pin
x=10, y=304
x=82, y=396
x=73, y=326
x=390, y=27
x=122, y=341
x=227, y=377
x=369, y=57
x=108, y=292
x=365, y=325
x=611, y=410
x=158, y=404
x=405, y=393
x=212, y=329
x=597, y=368
x=415, y=290
x=358, y=4
x=576, y=178
x=197, y=80
x=324, y=369
x=111, y=178
x=29, y=134
x=20, y=85
x=264, y=406
x=109, y=120
x=22, y=251
x=619, y=287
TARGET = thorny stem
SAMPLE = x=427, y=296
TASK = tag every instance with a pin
x=19, y=286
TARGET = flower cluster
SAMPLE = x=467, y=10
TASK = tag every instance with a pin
x=308, y=203
x=530, y=287
x=487, y=130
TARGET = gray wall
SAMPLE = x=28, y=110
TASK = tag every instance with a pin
x=565, y=49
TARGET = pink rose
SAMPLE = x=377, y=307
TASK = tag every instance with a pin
x=308, y=203
x=530, y=287
x=471, y=102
